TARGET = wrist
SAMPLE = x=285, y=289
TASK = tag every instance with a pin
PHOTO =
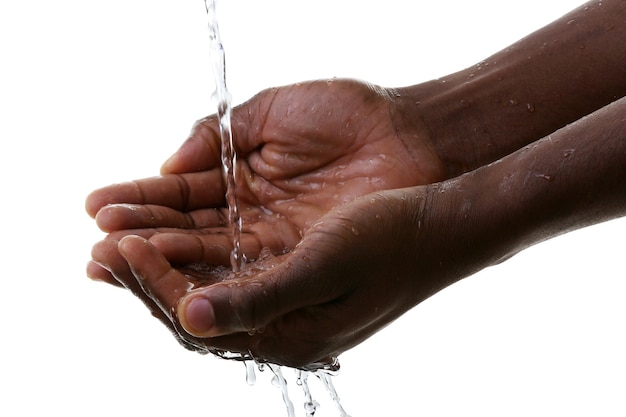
x=441, y=108
x=551, y=78
x=475, y=116
x=566, y=181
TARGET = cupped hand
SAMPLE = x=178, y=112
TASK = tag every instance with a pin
x=303, y=149
x=349, y=276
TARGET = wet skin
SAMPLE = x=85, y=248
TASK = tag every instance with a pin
x=342, y=181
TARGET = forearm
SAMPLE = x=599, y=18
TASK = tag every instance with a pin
x=566, y=181
x=552, y=77
x=569, y=180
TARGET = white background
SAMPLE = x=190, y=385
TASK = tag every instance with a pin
x=98, y=92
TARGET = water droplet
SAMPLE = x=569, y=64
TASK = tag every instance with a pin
x=311, y=408
x=546, y=177
x=266, y=253
x=250, y=374
x=280, y=382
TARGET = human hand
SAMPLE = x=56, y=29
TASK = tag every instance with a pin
x=303, y=149
x=351, y=274
x=366, y=262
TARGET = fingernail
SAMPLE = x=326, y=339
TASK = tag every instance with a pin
x=166, y=167
x=199, y=316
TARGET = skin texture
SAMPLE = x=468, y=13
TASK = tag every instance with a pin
x=369, y=200
x=295, y=166
x=537, y=85
x=298, y=159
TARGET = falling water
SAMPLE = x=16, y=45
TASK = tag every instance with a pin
x=222, y=99
x=279, y=381
x=310, y=405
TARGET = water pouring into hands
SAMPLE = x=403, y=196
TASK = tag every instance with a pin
x=339, y=248
x=302, y=168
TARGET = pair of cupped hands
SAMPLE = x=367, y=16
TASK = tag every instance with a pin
x=331, y=186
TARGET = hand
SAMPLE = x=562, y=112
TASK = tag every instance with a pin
x=351, y=274
x=366, y=262
x=303, y=149
x=311, y=154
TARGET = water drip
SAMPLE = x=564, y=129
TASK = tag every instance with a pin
x=310, y=405
x=326, y=379
x=250, y=373
x=280, y=382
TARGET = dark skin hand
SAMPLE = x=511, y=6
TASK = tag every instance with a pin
x=299, y=322
x=298, y=162
x=367, y=262
x=321, y=171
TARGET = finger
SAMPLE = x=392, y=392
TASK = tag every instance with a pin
x=253, y=301
x=106, y=255
x=201, y=151
x=213, y=245
x=180, y=246
x=158, y=280
x=98, y=273
x=184, y=192
x=210, y=248
x=117, y=217
x=119, y=270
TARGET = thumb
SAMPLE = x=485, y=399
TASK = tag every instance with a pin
x=247, y=304
x=201, y=151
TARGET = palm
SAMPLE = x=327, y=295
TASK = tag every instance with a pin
x=302, y=308
x=308, y=158
x=303, y=149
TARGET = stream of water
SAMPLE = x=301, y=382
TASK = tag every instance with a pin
x=222, y=99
